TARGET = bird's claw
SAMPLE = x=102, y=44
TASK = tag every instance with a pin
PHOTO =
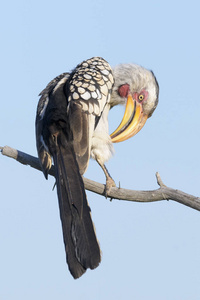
x=109, y=184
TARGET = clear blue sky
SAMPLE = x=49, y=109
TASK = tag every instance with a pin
x=150, y=251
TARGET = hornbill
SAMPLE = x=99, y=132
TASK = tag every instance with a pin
x=72, y=126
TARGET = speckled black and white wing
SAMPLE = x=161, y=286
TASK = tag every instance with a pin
x=43, y=152
x=86, y=90
x=91, y=84
x=89, y=91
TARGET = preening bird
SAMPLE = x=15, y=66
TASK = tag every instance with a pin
x=72, y=126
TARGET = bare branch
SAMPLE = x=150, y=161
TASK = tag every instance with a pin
x=162, y=193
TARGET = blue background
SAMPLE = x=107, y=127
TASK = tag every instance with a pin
x=149, y=251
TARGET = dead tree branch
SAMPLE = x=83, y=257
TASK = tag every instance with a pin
x=162, y=193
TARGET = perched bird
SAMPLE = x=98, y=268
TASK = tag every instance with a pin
x=72, y=126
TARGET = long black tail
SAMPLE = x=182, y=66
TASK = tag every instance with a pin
x=82, y=248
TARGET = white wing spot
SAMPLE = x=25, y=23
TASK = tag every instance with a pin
x=87, y=76
x=101, y=82
x=94, y=95
x=105, y=72
x=75, y=96
x=85, y=85
x=105, y=78
x=86, y=96
x=100, y=67
x=79, y=83
x=72, y=89
x=81, y=90
x=91, y=88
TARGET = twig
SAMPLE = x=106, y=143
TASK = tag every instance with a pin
x=162, y=193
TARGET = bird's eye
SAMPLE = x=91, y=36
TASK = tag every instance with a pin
x=141, y=97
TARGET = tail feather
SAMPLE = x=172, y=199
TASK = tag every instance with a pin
x=82, y=248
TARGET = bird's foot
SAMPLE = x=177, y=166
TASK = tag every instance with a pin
x=109, y=184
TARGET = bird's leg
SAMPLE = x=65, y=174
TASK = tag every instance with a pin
x=109, y=181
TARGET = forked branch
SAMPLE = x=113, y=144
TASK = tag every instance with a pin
x=162, y=193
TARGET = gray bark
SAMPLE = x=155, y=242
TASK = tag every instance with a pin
x=162, y=193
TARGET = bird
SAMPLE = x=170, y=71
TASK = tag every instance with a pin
x=72, y=127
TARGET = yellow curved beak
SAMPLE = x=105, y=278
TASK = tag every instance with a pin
x=132, y=122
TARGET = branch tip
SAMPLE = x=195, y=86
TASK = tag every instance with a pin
x=159, y=180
